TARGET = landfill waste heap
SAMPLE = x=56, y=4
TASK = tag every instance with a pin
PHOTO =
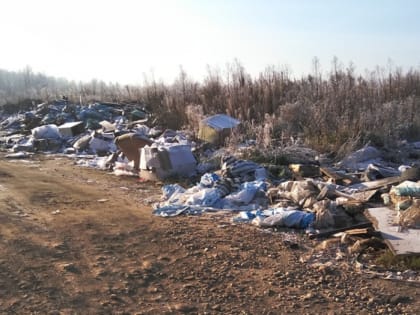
x=319, y=199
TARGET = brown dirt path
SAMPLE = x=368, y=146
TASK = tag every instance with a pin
x=82, y=241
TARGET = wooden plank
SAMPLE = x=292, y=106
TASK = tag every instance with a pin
x=339, y=177
x=409, y=174
x=401, y=242
x=359, y=231
x=326, y=233
x=376, y=184
x=140, y=121
x=361, y=196
x=365, y=195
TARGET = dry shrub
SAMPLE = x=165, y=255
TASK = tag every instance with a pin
x=388, y=260
x=194, y=115
x=333, y=111
x=238, y=135
x=267, y=132
x=410, y=218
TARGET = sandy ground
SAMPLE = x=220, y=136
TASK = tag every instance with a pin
x=81, y=241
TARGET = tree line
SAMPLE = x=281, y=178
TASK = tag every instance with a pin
x=328, y=110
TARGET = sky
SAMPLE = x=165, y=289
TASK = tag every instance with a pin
x=127, y=41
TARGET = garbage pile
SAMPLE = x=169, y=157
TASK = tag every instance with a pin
x=317, y=197
x=68, y=128
x=101, y=135
x=240, y=185
x=321, y=200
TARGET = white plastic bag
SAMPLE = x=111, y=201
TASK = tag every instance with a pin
x=46, y=132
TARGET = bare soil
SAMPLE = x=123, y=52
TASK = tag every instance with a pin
x=81, y=241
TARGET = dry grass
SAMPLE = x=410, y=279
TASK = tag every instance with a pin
x=335, y=111
x=389, y=260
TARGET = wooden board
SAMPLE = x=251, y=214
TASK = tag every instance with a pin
x=339, y=178
x=376, y=184
x=409, y=174
x=401, y=242
x=328, y=232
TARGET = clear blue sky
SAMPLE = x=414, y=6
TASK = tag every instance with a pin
x=123, y=40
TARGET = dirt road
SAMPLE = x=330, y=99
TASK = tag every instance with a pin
x=82, y=241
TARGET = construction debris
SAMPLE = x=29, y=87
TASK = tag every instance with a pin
x=401, y=241
x=319, y=198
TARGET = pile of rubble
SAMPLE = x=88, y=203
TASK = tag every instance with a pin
x=320, y=199
x=68, y=128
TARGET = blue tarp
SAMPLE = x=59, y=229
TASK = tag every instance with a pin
x=207, y=196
